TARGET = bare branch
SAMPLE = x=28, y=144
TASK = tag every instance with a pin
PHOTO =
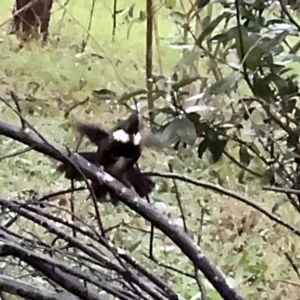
x=14, y=287
x=228, y=193
x=129, y=198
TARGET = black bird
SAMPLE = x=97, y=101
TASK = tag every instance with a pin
x=118, y=151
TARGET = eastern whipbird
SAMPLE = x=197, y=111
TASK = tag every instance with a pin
x=117, y=151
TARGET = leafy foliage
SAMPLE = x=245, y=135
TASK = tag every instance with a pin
x=245, y=106
x=249, y=112
x=259, y=92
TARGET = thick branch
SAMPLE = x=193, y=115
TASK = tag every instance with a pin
x=14, y=287
x=16, y=250
x=131, y=199
x=62, y=275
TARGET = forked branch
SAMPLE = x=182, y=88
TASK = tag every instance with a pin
x=131, y=199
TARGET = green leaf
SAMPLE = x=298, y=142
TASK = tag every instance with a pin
x=255, y=165
x=287, y=57
x=212, y=26
x=258, y=116
x=281, y=27
x=104, y=94
x=187, y=60
x=202, y=3
x=241, y=176
x=286, y=87
x=274, y=44
x=183, y=82
x=185, y=130
x=239, y=274
x=261, y=86
x=245, y=46
x=181, y=128
x=160, y=119
x=167, y=135
x=199, y=126
x=244, y=155
x=134, y=246
x=202, y=147
x=130, y=11
x=225, y=37
x=142, y=17
x=170, y=4
x=211, y=134
x=178, y=18
x=127, y=96
x=253, y=60
x=217, y=148
x=206, y=21
x=268, y=176
x=260, y=278
x=166, y=110
x=279, y=203
x=223, y=85
x=256, y=23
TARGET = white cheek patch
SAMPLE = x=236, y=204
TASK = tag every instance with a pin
x=121, y=136
x=136, y=139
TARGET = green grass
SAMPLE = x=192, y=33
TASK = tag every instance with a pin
x=51, y=79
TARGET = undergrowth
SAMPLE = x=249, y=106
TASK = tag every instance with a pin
x=245, y=245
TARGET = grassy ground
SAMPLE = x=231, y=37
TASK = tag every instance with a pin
x=247, y=247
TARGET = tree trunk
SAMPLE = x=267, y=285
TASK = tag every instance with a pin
x=31, y=19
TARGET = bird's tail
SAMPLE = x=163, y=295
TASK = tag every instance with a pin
x=142, y=184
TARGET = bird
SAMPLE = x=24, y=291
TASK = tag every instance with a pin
x=118, y=150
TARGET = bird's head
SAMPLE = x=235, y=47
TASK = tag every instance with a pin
x=127, y=131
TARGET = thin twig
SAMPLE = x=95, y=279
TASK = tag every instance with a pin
x=84, y=42
x=171, y=268
x=66, y=157
x=240, y=164
x=149, y=58
x=39, y=201
x=17, y=103
x=280, y=190
x=241, y=44
x=200, y=285
x=76, y=105
x=290, y=260
x=114, y=16
x=27, y=149
x=185, y=243
x=228, y=193
x=287, y=13
x=203, y=211
x=179, y=201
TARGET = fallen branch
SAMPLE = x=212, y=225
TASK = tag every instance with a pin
x=14, y=287
x=131, y=199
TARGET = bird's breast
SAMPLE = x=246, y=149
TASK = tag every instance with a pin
x=127, y=150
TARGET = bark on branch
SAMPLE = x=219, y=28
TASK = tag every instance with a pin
x=131, y=199
x=11, y=286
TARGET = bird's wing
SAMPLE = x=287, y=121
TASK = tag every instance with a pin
x=71, y=172
x=94, y=132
